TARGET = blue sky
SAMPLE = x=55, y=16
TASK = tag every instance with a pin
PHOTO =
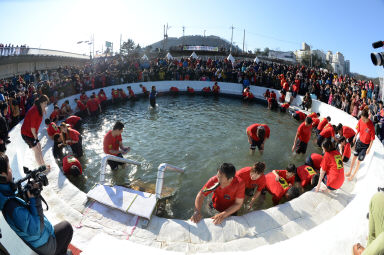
x=339, y=25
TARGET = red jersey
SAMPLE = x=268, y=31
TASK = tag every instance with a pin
x=69, y=161
x=273, y=95
x=72, y=120
x=316, y=160
x=144, y=89
x=102, y=96
x=174, y=89
x=72, y=135
x=328, y=132
x=190, y=90
x=348, y=132
x=223, y=198
x=276, y=188
x=285, y=106
x=244, y=174
x=315, y=122
x=81, y=106
x=216, y=88
x=53, y=129
x=131, y=93
x=206, y=89
x=302, y=115
x=252, y=131
x=93, y=105
x=322, y=124
x=249, y=95
x=305, y=174
x=333, y=166
x=312, y=115
x=111, y=143
x=366, y=130
x=84, y=97
x=347, y=150
x=32, y=120
x=304, y=132
x=283, y=174
x=122, y=94
x=54, y=115
x=115, y=94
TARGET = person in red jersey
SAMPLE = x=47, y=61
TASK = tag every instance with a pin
x=280, y=188
x=122, y=94
x=282, y=98
x=257, y=135
x=228, y=194
x=322, y=124
x=144, y=90
x=254, y=181
x=366, y=130
x=307, y=176
x=289, y=174
x=303, y=135
x=332, y=168
x=72, y=166
x=52, y=128
x=313, y=115
x=344, y=149
x=267, y=94
x=113, y=144
x=207, y=90
x=314, y=160
x=315, y=123
x=272, y=102
x=83, y=97
x=93, y=106
x=173, y=90
x=72, y=138
x=216, y=89
x=80, y=106
x=55, y=115
x=284, y=107
x=74, y=121
x=327, y=132
x=30, y=127
x=115, y=95
x=102, y=96
x=248, y=95
x=347, y=132
x=299, y=116
x=131, y=94
x=190, y=90
x=66, y=109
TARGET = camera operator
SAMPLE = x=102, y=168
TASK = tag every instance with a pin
x=27, y=219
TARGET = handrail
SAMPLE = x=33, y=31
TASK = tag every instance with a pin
x=113, y=158
x=160, y=176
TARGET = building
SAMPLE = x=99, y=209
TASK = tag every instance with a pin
x=320, y=54
x=283, y=55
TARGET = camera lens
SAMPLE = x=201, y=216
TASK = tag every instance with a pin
x=377, y=58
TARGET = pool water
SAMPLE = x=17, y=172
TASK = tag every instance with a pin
x=196, y=133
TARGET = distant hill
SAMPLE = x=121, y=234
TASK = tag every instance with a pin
x=363, y=77
x=195, y=40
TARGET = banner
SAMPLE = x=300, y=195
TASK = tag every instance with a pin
x=108, y=44
x=200, y=48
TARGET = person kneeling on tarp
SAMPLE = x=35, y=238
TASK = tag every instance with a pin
x=228, y=194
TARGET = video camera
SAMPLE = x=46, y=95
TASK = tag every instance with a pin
x=377, y=57
x=32, y=177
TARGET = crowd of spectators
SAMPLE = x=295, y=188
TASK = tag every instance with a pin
x=11, y=50
x=341, y=91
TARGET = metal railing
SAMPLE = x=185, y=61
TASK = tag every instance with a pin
x=160, y=176
x=113, y=158
x=21, y=51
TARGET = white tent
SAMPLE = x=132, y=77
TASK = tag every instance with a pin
x=231, y=58
x=256, y=60
x=144, y=57
x=169, y=56
x=193, y=55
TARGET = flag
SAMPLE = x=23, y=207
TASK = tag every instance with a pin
x=108, y=44
x=79, y=42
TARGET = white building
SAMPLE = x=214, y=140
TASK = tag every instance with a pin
x=320, y=54
x=283, y=55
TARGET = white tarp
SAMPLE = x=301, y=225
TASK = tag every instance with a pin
x=231, y=58
x=169, y=56
x=193, y=55
x=144, y=57
x=256, y=60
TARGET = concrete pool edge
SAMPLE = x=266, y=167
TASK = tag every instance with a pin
x=288, y=234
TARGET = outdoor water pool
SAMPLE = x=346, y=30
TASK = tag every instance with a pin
x=193, y=132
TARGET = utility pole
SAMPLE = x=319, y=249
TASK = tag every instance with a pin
x=164, y=38
x=230, y=51
x=120, y=43
x=183, y=34
x=243, y=40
